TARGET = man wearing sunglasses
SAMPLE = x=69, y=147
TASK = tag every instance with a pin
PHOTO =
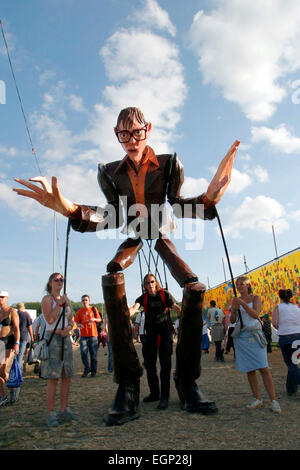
x=145, y=181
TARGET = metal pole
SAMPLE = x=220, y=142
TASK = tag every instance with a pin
x=245, y=263
x=65, y=285
x=224, y=269
x=274, y=241
x=229, y=264
x=54, y=238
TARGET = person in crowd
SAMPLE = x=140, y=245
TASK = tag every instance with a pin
x=110, y=361
x=176, y=326
x=216, y=316
x=60, y=364
x=86, y=318
x=26, y=332
x=250, y=344
x=139, y=329
x=229, y=342
x=286, y=319
x=9, y=342
x=156, y=303
x=267, y=330
x=205, y=338
x=25, y=322
x=39, y=327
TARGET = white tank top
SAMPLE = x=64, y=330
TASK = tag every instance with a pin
x=51, y=326
x=288, y=319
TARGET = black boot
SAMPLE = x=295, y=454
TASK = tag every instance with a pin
x=188, y=352
x=125, y=405
x=192, y=400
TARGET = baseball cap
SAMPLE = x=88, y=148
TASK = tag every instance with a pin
x=3, y=293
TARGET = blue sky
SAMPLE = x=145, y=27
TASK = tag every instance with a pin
x=204, y=72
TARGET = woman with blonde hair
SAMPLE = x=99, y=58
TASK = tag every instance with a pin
x=250, y=345
x=57, y=367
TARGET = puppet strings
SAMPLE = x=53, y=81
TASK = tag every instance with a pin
x=20, y=99
x=21, y=105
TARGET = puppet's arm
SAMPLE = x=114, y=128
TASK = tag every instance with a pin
x=193, y=207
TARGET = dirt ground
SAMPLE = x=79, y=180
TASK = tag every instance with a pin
x=234, y=427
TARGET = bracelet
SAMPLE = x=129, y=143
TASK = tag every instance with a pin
x=17, y=342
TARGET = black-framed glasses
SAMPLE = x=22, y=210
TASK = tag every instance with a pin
x=59, y=279
x=138, y=134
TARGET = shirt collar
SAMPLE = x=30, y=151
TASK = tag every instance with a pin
x=148, y=155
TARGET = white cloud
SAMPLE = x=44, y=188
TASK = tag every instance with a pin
x=280, y=139
x=239, y=181
x=246, y=49
x=152, y=81
x=46, y=76
x=24, y=207
x=154, y=16
x=261, y=174
x=9, y=151
x=258, y=214
x=193, y=186
x=235, y=259
x=76, y=103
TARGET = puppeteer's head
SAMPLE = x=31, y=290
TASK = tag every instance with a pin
x=132, y=131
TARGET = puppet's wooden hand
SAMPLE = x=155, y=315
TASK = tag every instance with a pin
x=222, y=177
x=48, y=196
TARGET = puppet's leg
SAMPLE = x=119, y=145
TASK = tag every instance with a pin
x=127, y=369
x=189, y=344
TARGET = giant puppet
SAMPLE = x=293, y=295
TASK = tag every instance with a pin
x=140, y=184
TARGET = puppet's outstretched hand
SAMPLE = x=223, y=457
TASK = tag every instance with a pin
x=222, y=177
x=49, y=196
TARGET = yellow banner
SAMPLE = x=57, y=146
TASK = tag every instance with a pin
x=266, y=281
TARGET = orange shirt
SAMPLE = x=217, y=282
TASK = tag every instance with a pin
x=84, y=316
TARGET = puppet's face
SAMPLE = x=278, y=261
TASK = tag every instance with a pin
x=135, y=148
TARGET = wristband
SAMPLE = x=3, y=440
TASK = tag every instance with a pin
x=207, y=202
x=17, y=342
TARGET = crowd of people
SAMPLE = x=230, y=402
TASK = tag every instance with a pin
x=245, y=333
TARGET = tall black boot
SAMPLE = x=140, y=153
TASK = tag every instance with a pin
x=188, y=352
x=127, y=368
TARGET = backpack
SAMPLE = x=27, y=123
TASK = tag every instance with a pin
x=99, y=325
x=164, y=316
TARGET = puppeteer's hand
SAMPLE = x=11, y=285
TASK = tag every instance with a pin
x=49, y=196
x=222, y=177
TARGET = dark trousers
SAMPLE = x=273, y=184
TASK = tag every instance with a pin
x=162, y=345
x=290, y=358
x=230, y=344
x=219, y=350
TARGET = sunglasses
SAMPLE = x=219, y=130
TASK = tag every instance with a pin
x=59, y=279
x=150, y=282
x=85, y=300
x=2, y=296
